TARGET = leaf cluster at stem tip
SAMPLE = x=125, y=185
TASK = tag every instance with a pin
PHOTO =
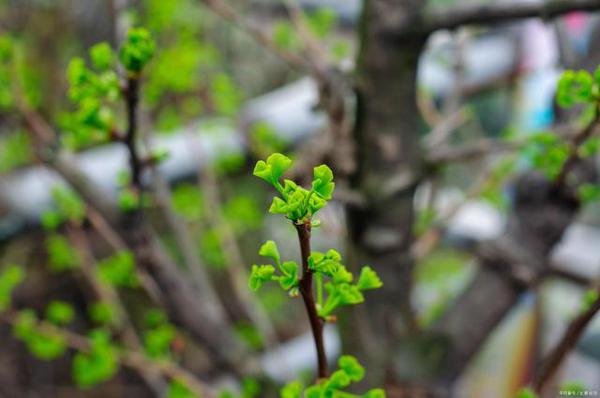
x=334, y=283
x=350, y=371
x=578, y=87
x=296, y=203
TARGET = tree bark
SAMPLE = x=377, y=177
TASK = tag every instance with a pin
x=509, y=266
x=389, y=160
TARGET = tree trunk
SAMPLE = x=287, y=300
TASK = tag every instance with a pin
x=390, y=164
x=389, y=160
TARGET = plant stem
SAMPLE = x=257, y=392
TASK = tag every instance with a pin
x=306, y=290
x=320, y=291
x=135, y=162
x=571, y=336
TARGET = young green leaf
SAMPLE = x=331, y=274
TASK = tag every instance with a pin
x=60, y=312
x=178, y=389
x=278, y=206
x=353, y=369
x=323, y=181
x=289, y=279
x=292, y=390
x=157, y=341
x=526, y=393
x=269, y=249
x=574, y=87
x=61, y=255
x=119, y=270
x=97, y=365
x=103, y=313
x=102, y=56
x=10, y=278
x=368, y=279
x=260, y=274
x=273, y=168
x=46, y=345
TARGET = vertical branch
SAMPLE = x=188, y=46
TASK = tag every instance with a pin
x=389, y=166
x=198, y=309
x=306, y=291
x=131, y=101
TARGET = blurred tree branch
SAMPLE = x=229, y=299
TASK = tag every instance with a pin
x=135, y=360
x=574, y=331
x=492, y=13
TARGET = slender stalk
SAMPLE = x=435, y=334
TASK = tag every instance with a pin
x=132, y=359
x=306, y=291
x=108, y=294
x=557, y=356
x=578, y=140
x=132, y=100
x=235, y=269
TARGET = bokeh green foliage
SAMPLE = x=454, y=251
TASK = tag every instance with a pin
x=10, y=277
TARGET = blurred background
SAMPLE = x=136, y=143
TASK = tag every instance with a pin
x=215, y=100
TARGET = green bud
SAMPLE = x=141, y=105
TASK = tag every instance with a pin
x=102, y=56
x=137, y=50
x=10, y=278
x=60, y=312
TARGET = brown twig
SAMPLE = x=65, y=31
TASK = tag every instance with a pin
x=427, y=242
x=236, y=270
x=136, y=164
x=132, y=359
x=107, y=294
x=206, y=319
x=578, y=140
x=225, y=11
x=571, y=336
x=306, y=291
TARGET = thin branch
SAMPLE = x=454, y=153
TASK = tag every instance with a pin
x=185, y=242
x=567, y=274
x=306, y=291
x=446, y=126
x=236, y=270
x=568, y=341
x=60, y=160
x=313, y=52
x=132, y=359
x=428, y=241
x=107, y=294
x=180, y=293
x=225, y=11
x=333, y=87
x=578, y=140
x=486, y=146
x=136, y=164
x=493, y=13
x=474, y=150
